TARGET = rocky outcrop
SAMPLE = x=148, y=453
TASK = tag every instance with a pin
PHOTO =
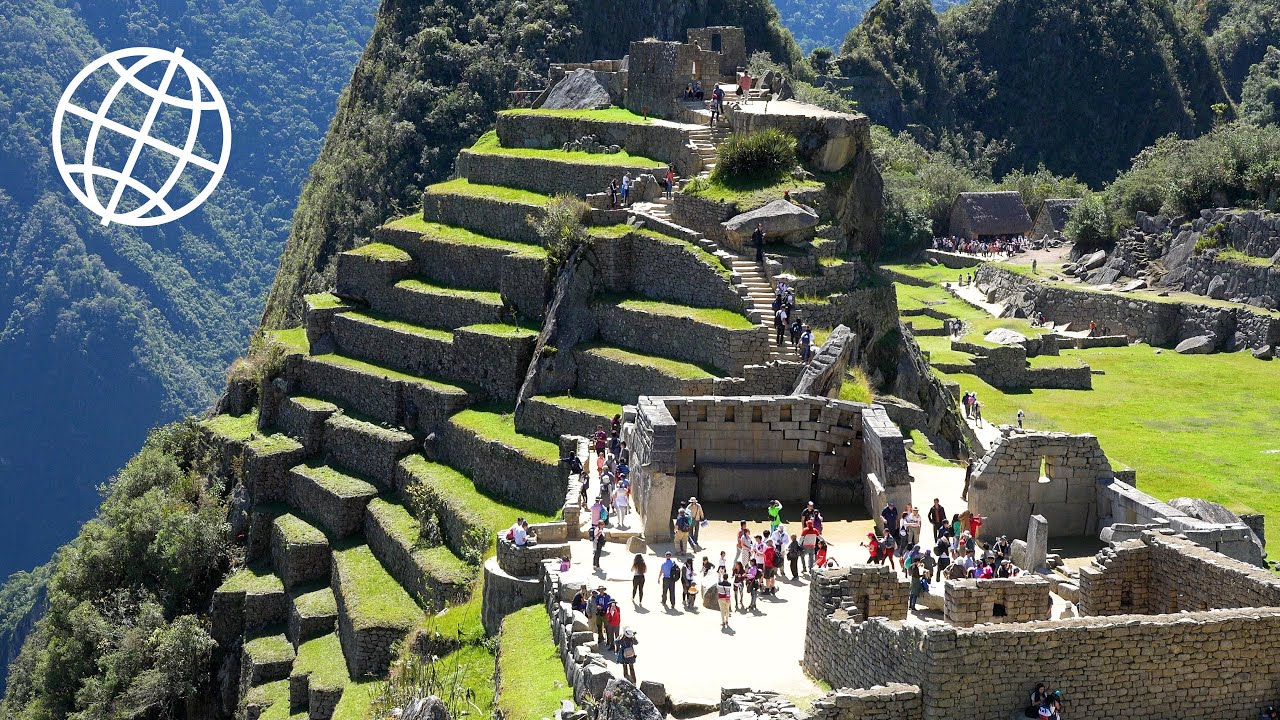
x=789, y=222
x=825, y=372
x=581, y=89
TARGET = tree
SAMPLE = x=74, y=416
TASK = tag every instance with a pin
x=1260, y=99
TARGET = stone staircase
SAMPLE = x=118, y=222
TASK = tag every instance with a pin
x=705, y=140
x=760, y=295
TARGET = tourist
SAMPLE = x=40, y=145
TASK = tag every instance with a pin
x=770, y=567
x=598, y=515
x=715, y=111
x=671, y=181
x=612, y=624
x=957, y=525
x=1051, y=708
x=975, y=522
x=744, y=544
x=796, y=328
x=806, y=345
x=620, y=505
x=780, y=537
x=613, y=193
x=723, y=588
x=670, y=572
x=624, y=457
x=927, y=564
x=820, y=557
x=707, y=567
x=517, y=534
x=873, y=549
x=780, y=325
x=582, y=600
x=912, y=523
x=597, y=545
x=753, y=583
x=601, y=601
x=744, y=87
x=1038, y=696
x=1271, y=713
x=889, y=548
x=626, y=187
x=697, y=90
x=683, y=524
x=600, y=440
x=977, y=411
x=889, y=515
x=937, y=517
x=943, y=551
x=757, y=241
x=1033, y=266
x=627, y=654
x=1020, y=416
x=638, y=569
x=809, y=543
x=917, y=584
x=775, y=514
x=564, y=563
x=794, y=551
x=696, y=519
x=689, y=583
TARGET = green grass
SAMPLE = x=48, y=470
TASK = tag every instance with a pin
x=429, y=288
x=317, y=602
x=934, y=274
x=391, y=323
x=373, y=598
x=611, y=231
x=314, y=404
x=459, y=236
x=611, y=114
x=338, y=483
x=856, y=387
x=978, y=329
x=293, y=340
x=707, y=258
x=356, y=699
x=939, y=349
x=666, y=366
x=531, y=677
x=437, y=562
x=591, y=406
x=831, y=262
x=269, y=649
x=1191, y=425
x=458, y=491
x=378, y=370
x=381, y=251
x=488, y=145
x=820, y=335
x=1235, y=256
x=501, y=427
x=912, y=296
x=257, y=579
x=244, y=429
x=501, y=330
x=324, y=301
x=462, y=186
x=461, y=622
x=923, y=322
x=322, y=659
x=719, y=317
x=922, y=452
x=299, y=531
x=752, y=194
x=273, y=697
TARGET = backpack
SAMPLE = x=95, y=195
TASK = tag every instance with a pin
x=683, y=523
x=777, y=558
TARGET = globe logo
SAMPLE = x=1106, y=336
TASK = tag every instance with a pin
x=147, y=156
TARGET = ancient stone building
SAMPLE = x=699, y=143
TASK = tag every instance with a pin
x=989, y=216
x=1052, y=217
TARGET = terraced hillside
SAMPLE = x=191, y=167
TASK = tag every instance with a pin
x=387, y=446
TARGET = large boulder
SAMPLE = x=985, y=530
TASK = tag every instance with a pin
x=1005, y=336
x=786, y=221
x=1263, y=352
x=1095, y=260
x=623, y=701
x=824, y=375
x=581, y=89
x=1198, y=345
x=1217, y=288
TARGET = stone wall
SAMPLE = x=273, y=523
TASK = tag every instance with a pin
x=658, y=71
x=504, y=471
x=665, y=142
x=1006, y=486
x=1258, y=284
x=502, y=219
x=825, y=140
x=884, y=463
x=705, y=216
x=1162, y=573
x=998, y=600
x=682, y=338
x=527, y=561
x=663, y=268
x=547, y=175
x=1120, y=503
x=893, y=701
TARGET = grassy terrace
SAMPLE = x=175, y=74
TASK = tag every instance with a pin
x=922, y=452
x=381, y=251
x=666, y=366
x=244, y=429
x=293, y=340
x=459, y=236
x=322, y=659
x=452, y=488
x=315, y=601
x=1191, y=425
x=501, y=427
x=532, y=680
x=939, y=349
x=257, y=579
x=488, y=145
x=299, y=531
x=719, y=317
x=427, y=287
x=338, y=483
x=390, y=323
x=707, y=258
x=323, y=301
x=462, y=186
x=750, y=195
x=274, y=697
x=501, y=330
x=373, y=598
x=370, y=368
x=269, y=649
x=592, y=406
x=612, y=114
x=438, y=562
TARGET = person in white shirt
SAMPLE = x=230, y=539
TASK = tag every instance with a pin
x=519, y=536
x=620, y=506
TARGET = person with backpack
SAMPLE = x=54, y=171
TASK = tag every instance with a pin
x=682, y=524
x=794, y=551
x=775, y=515
x=696, y=516
x=809, y=543
x=937, y=517
x=689, y=583
x=612, y=624
x=888, y=548
x=723, y=588
x=600, y=605
x=770, y=567
x=627, y=654
x=597, y=547
x=821, y=557
x=670, y=572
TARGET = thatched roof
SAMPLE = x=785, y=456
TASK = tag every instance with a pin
x=1056, y=212
x=993, y=213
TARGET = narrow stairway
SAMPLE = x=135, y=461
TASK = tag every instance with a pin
x=760, y=293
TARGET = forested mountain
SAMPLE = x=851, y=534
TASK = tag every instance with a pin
x=432, y=79
x=1080, y=86
x=106, y=331
x=824, y=23
x=1238, y=33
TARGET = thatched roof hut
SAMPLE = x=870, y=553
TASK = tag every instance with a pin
x=989, y=215
x=1052, y=217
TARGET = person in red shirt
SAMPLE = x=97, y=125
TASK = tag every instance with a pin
x=612, y=624
x=873, y=549
x=975, y=522
x=770, y=570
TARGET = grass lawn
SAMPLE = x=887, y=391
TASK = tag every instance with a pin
x=488, y=145
x=391, y=323
x=427, y=287
x=592, y=406
x=1191, y=425
x=462, y=186
x=322, y=659
x=939, y=349
x=293, y=340
x=502, y=428
x=933, y=274
x=922, y=452
x=381, y=251
x=666, y=366
x=460, y=236
x=612, y=114
x=323, y=301
x=378, y=370
x=371, y=596
x=245, y=429
x=912, y=296
x=856, y=387
x=501, y=330
x=531, y=677
x=257, y=579
x=751, y=194
x=719, y=317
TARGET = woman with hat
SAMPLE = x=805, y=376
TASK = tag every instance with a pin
x=696, y=515
x=612, y=624
x=627, y=654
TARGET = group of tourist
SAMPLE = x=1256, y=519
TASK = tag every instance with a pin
x=613, y=501
x=985, y=249
x=620, y=190
x=972, y=407
x=693, y=91
x=1044, y=704
x=605, y=619
x=787, y=324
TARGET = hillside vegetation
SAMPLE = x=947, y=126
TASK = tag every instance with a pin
x=106, y=331
x=431, y=82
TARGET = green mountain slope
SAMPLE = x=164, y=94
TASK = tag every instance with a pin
x=431, y=81
x=107, y=331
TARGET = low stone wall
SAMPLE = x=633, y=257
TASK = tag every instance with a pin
x=264, y=474
x=374, y=396
x=1162, y=573
x=464, y=532
x=494, y=362
x=884, y=458
x=505, y=593
x=664, y=268
x=660, y=141
x=1120, y=502
x=547, y=175
x=622, y=382
x=527, y=561
x=1255, y=284
x=503, y=471
x=400, y=557
x=367, y=650
x=365, y=449
x=705, y=216
x=682, y=338
x=997, y=600
x=336, y=514
x=544, y=419
x=298, y=562
x=894, y=701
x=503, y=219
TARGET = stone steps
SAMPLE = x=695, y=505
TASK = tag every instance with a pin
x=334, y=500
x=381, y=394
x=375, y=613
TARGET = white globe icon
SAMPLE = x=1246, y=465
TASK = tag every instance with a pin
x=100, y=187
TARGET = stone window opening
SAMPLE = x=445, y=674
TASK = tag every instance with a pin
x=1126, y=598
x=729, y=412
x=864, y=604
x=999, y=610
x=717, y=45
x=1044, y=472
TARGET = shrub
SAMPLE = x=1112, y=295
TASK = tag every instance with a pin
x=1090, y=222
x=561, y=227
x=764, y=156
